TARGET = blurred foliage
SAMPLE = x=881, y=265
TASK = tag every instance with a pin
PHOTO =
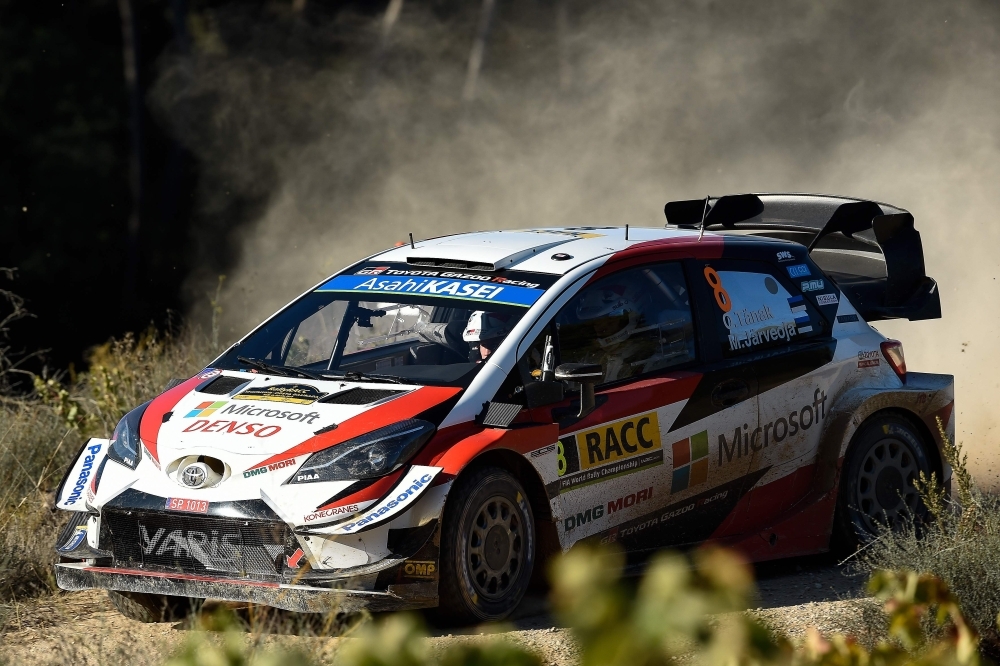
x=958, y=546
x=684, y=610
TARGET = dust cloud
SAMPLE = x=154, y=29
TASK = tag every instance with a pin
x=324, y=138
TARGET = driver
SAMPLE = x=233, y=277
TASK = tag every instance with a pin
x=488, y=329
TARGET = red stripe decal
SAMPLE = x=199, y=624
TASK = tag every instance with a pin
x=152, y=419
x=372, y=492
x=403, y=407
x=665, y=249
x=180, y=576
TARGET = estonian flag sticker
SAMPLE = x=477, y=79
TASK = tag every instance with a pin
x=797, y=305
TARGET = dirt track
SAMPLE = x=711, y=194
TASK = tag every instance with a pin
x=83, y=628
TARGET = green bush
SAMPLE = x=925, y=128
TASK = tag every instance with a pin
x=959, y=546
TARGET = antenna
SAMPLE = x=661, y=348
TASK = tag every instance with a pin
x=704, y=214
x=415, y=247
x=626, y=232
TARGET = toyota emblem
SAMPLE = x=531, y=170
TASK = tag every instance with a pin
x=194, y=476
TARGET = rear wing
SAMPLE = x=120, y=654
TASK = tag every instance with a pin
x=871, y=250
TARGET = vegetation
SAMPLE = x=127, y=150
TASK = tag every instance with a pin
x=960, y=546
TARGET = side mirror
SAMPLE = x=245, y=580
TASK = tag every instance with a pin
x=540, y=394
x=585, y=374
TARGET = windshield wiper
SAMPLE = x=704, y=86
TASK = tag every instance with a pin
x=357, y=376
x=282, y=370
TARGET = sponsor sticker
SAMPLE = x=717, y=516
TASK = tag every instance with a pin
x=259, y=411
x=798, y=270
x=208, y=373
x=83, y=476
x=541, y=452
x=400, y=499
x=424, y=569
x=79, y=534
x=690, y=462
x=332, y=512
x=188, y=505
x=745, y=441
x=373, y=270
x=224, y=427
x=468, y=290
x=826, y=299
x=607, y=451
x=205, y=409
x=868, y=359
x=300, y=394
x=273, y=467
x=812, y=285
x=614, y=506
x=785, y=255
x=847, y=319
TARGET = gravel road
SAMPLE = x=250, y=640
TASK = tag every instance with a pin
x=83, y=628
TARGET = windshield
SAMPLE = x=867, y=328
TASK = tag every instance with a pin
x=365, y=326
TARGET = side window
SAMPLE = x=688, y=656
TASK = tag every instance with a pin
x=755, y=307
x=633, y=322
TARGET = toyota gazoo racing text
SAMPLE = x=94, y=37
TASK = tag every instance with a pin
x=424, y=427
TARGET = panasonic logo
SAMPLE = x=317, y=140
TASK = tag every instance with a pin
x=81, y=480
x=403, y=498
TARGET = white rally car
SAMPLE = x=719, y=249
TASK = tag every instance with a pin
x=424, y=427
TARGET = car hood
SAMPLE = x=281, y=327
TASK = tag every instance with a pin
x=253, y=420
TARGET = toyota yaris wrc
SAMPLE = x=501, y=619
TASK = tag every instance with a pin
x=426, y=426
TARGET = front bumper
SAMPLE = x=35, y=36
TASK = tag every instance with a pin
x=301, y=598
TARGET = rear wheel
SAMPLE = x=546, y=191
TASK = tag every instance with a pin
x=148, y=608
x=877, y=485
x=487, y=548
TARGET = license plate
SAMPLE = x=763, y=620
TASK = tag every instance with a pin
x=189, y=505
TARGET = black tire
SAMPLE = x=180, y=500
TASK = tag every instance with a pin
x=487, y=509
x=885, y=457
x=149, y=608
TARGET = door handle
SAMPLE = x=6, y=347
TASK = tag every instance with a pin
x=730, y=392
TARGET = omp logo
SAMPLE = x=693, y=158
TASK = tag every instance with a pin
x=616, y=441
x=745, y=441
x=417, y=569
x=690, y=462
x=205, y=409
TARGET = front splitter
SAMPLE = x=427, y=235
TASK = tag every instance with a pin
x=300, y=598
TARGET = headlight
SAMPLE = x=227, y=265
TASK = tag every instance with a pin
x=371, y=455
x=125, y=445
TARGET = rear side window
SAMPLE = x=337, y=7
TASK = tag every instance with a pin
x=755, y=307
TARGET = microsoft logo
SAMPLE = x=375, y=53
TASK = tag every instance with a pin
x=690, y=462
x=205, y=409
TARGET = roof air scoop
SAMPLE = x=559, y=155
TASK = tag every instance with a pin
x=488, y=257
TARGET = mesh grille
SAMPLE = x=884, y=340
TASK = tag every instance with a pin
x=501, y=414
x=450, y=263
x=223, y=385
x=186, y=543
x=359, y=396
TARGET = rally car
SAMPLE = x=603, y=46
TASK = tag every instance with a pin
x=426, y=426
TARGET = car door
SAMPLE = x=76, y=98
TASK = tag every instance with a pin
x=643, y=468
x=780, y=335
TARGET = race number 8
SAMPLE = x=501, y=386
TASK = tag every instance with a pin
x=560, y=459
x=721, y=295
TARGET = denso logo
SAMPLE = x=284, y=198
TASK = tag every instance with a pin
x=81, y=480
x=269, y=468
x=745, y=441
x=233, y=428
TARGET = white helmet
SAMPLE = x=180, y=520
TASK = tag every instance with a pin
x=612, y=311
x=486, y=326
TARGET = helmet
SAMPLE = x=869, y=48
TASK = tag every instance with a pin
x=612, y=312
x=486, y=326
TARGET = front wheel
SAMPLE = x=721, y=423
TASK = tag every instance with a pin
x=877, y=488
x=487, y=547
